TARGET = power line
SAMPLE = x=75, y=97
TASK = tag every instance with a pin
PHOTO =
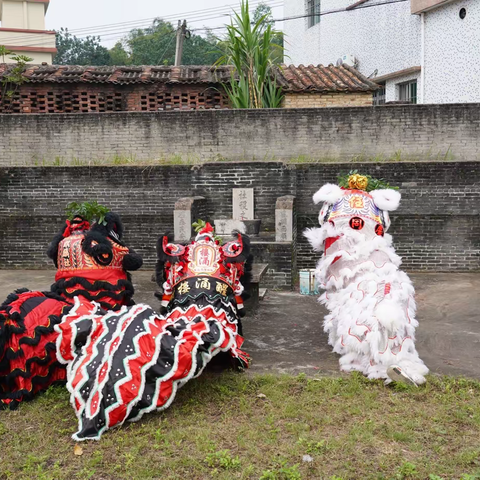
x=121, y=33
x=341, y=10
x=168, y=46
x=196, y=14
x=102, y=30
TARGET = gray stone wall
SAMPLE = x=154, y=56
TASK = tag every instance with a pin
x=437, y=227
x=411, y=132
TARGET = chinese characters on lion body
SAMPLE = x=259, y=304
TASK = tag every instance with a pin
x=121, y=360
x=127, y=363
x=372, y=322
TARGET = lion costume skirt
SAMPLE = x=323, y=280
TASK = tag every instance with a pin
x=121, y=365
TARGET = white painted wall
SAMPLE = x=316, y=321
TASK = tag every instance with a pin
x=25, y=15
x=387, y=38
x=391, y=86
x=36, y=16
x=452, y=54
x=384, y=37
x=302, y=44
x=13, y=15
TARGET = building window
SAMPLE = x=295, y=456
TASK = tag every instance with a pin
x=313, y=12
x=379, y=95
x=407, y=92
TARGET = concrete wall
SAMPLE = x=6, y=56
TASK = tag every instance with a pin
x=424, y=132
x=436, y=228
x=385, y=38
x=452, y=55
x=388, y=38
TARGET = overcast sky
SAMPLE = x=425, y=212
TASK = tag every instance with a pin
x=77, y=15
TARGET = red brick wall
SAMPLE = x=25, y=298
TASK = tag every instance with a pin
x=85, y=98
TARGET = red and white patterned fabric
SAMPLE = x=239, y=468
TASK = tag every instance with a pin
x=28, y=362
x=121, y=365
x=124, y=364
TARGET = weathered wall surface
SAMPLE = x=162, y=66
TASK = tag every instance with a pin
x=320, y=100
x=104, y=97
x=436, y=228
x=420, y=132
x=385, y=38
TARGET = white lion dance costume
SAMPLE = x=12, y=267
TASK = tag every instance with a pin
x=372, y=322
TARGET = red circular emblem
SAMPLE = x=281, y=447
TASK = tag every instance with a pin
x=356, y=223
x=379, y=230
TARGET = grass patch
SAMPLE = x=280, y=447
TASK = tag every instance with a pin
x=299, y=428
x=195, y=160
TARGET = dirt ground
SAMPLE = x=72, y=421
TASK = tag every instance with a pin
x=286, y=334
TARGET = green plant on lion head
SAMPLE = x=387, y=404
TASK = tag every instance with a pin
x=90, y=211
x=199, y=224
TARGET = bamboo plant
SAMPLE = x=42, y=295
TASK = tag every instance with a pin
x=250, y=49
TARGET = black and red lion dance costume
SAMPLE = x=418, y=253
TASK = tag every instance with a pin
x=126, y=360
x=92, y=265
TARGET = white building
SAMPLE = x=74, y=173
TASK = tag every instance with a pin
x=422, y=51
x=22, y=30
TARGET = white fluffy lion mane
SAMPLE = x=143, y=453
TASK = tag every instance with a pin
x=372, y=322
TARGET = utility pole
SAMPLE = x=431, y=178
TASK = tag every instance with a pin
x=181, y=35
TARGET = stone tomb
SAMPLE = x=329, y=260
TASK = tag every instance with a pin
x=243, y=214
x=277, y=250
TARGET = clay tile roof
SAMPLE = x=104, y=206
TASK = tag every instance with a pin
x=324, y=79
x=292, y=78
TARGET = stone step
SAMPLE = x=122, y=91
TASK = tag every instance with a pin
x=262, y=293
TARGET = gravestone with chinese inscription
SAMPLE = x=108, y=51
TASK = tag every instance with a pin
x=187, y=210
x=284, y=222
x=243, y=208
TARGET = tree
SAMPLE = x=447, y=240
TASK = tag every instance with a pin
x=200, y=51
x=264, y=12
x=118, y=55
x=77, y=51
x=155, y=45
x=13, y=78
x=249, y=48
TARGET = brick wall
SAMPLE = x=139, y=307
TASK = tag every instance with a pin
x=93, y=98
x=397, y=132
x=437, y=227
x=319, y=100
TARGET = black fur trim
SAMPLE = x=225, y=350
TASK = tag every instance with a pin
x=108, y=290
x=27, y=395
x=132, y=261
x=113, y=224
x=25, y=373
x=103, y=247
x=7, y=330
x=13, y=297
